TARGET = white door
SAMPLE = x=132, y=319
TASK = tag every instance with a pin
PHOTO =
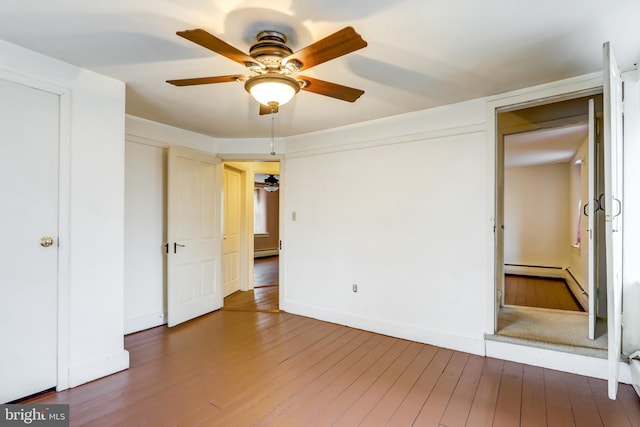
x=29, y=123
x=613, y=210
x=232, y=229
x=194, y=287
x=589, y=210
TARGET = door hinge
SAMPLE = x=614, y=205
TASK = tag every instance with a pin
x=280, y=245
x=166, y=248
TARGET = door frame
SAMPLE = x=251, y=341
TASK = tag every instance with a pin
x=245, y=267
x=540, y=95
x=232, y=158
x=63, y=238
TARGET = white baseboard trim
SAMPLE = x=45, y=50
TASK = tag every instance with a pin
x=560, y=361
x=144, y=322
x=523, y=270
x=261, y=253
x=390, y=328
x=98, y=368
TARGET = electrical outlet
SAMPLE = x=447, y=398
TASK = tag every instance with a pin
x=355, y=288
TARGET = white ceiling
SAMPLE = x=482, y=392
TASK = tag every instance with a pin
x=544, y=146
x=421, y=53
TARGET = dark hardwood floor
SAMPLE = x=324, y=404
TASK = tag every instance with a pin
x=240, y=368
x=265, y=295
x=250, y=364
x=539, y=292
x=266, y=271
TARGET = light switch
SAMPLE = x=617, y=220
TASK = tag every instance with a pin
x=293, y=216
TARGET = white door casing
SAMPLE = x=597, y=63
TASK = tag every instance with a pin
x=612, y=205
x=233, y=222
x=589, y=210
x=29, y=122
x=194, y=285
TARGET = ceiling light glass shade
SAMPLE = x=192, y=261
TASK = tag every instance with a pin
x=272, y=89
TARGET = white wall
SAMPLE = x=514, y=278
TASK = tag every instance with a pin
x=91, y=214
x=145, y=297
x=404, y=219
x=536, y=215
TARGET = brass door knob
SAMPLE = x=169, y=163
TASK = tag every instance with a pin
x=46, y=241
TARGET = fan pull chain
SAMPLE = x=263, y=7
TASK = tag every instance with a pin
x=273, y=135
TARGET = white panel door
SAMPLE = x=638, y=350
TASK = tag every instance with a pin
x=193, y=229
x=29, y=129
x=232, y=229
x=590, y=209
x=612, y=205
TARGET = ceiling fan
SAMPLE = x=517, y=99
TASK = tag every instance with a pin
x=275, y=66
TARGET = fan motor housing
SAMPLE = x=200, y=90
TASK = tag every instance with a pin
x=270, y=49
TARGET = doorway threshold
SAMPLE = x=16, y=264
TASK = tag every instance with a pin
x=559, y=330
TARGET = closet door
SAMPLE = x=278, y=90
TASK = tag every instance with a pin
x=613, y=205
x=29, y=129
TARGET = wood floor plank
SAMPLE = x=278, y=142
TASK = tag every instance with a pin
x=411, y=406
x=436, y=404
x=307, y=384
x=539, y=292
x=378, y=380
x=457, y=411
x=558, y=403
x=484, y=403
x=508, y=406
x=612, y=412
x=534, y=407
x=631, y=403
x=363, y=356
x=390, y=402
x=283, y=372
x=266, y=271
x=583, y=406
x=241, y=368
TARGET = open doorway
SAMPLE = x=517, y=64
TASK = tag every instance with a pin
x=550, y=280
x=261, y=210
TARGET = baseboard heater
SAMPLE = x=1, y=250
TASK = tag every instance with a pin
x=261, y=253
x=634, y=364
x=577, y=289
x=533, y=266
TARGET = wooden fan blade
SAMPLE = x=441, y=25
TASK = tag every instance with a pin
x=267, y=109
x=337, y=44
x=206, y=80
x=213, y=43
x=333, y=90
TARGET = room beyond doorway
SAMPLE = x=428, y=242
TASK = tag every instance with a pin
x=265, y=294
x=547, y=170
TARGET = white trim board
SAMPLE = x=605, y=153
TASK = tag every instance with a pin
x=550, y=359
x=385, y=327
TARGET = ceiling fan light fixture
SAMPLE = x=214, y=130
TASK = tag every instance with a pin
x=272, y=89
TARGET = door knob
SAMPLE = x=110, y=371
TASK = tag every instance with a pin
x=46, y=241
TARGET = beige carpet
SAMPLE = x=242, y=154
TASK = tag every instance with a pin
x=552, y=329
